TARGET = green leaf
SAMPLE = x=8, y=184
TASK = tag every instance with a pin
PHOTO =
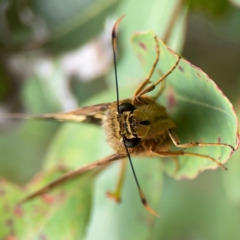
x=29, y=139
x=155, y=15
x=215, y=8
x=200, y=110
x=72, y=143
x=128, y=219
x=75, y=22
x=62, y=214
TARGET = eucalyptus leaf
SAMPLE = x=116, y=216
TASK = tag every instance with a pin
x=199, y=108
x=41, y=218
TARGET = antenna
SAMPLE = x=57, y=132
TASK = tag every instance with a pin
x=114, y=45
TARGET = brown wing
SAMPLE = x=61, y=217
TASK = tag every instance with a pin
x=91, y=114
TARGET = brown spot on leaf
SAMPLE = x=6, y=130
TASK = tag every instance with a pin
x=18, y=211
x=9, y=222
x=2, y=192
x=43, y=237
x=62, y=195
x=171, y=103
x=11, y=237
x=10, y=227
x=219, y=140
x=143, y=46
x=198, y=74
x=141, y=58
x=49, y=199
x=181, y=68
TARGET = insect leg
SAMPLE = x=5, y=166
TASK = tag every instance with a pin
x=147, y=80
x=152, y=87
x=182, y=153
x=161, y=90
x=177, y=143
x=73, y=174
x=116, y=195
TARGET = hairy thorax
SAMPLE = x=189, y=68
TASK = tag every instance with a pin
x=148, y=122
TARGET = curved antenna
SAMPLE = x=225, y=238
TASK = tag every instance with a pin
x=114, y=45
x=141, y=193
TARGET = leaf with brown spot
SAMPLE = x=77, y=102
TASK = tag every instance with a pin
x=199, y=108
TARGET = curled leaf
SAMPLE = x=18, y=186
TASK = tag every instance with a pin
x=201, y=111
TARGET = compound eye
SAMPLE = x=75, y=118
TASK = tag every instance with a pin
x=126, y=107
x=145, y=122
x=132, y=142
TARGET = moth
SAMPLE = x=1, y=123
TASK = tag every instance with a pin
x=134, y=126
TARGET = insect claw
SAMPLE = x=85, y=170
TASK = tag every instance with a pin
x=222, y=166
x=150, y=210
x=137, y=100
x=114, y=196
x=233, y=149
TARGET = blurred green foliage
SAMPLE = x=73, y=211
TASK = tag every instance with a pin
x=204, y=208
x=215, y=8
